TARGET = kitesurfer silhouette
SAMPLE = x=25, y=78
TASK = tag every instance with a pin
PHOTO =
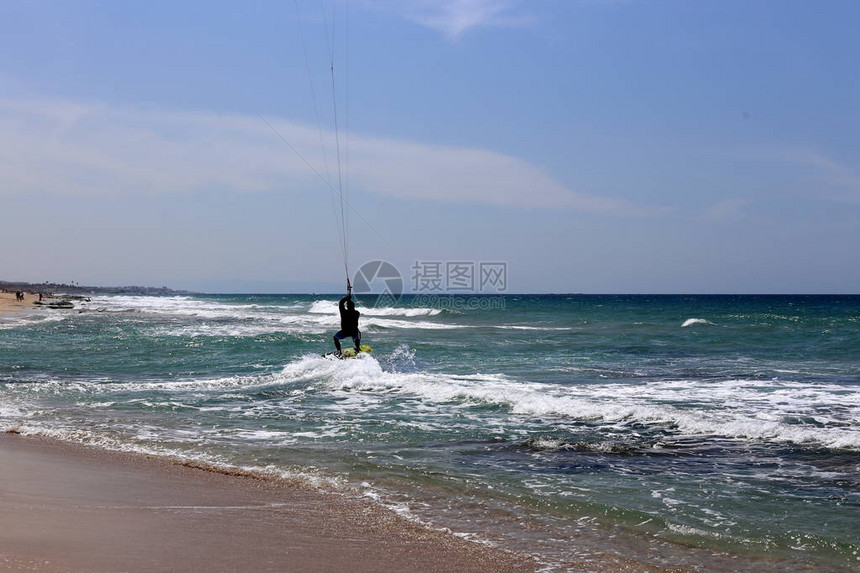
x=348, y=322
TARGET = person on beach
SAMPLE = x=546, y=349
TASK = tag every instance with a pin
x=348, y=323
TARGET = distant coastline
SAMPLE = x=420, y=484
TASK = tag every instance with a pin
x=65, y=288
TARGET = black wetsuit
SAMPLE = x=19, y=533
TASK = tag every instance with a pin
x=348, y=325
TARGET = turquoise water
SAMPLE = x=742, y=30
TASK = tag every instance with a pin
x=719, y=433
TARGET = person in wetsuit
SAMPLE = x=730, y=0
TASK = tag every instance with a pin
x=348, y=323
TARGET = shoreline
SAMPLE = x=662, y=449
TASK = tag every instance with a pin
x=69, y=507
x=34, y=303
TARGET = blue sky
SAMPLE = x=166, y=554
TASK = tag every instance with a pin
x=615, y=146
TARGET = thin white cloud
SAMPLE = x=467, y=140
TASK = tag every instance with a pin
x=62, y=147
x=453, y=18
x=727, y=210
x=834, y=173
x=807, y=172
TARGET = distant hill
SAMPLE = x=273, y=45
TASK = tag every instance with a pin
x=49, y=287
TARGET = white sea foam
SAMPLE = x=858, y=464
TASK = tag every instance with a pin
x=772, y=411
x=227, y=319
x=547, y=443
x=8, y=412
x=331, y=307
x=184, y=306
x=309, y=476
x=105, y=387
x=392, y=311
x=408, y=324
x=762, y=410
x=31, y=318
x=379, y=317
x=518, y=327
x=692, y=531
x=695, y=321
x=290, y=324
x=734, y=409
x=324, y=307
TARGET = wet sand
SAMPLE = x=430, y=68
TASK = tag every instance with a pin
x=65, y=507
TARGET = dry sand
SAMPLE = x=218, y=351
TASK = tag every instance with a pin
x=65, y=507
x=9, y=304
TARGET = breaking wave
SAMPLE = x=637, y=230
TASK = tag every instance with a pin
x=695, y=321
x=330, y=307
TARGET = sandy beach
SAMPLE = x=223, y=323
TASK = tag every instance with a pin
x=73, y=508
x=8, y=303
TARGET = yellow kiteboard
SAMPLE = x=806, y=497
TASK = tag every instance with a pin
x=350, y=352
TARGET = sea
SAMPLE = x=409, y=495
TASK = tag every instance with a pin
x=703, y=433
